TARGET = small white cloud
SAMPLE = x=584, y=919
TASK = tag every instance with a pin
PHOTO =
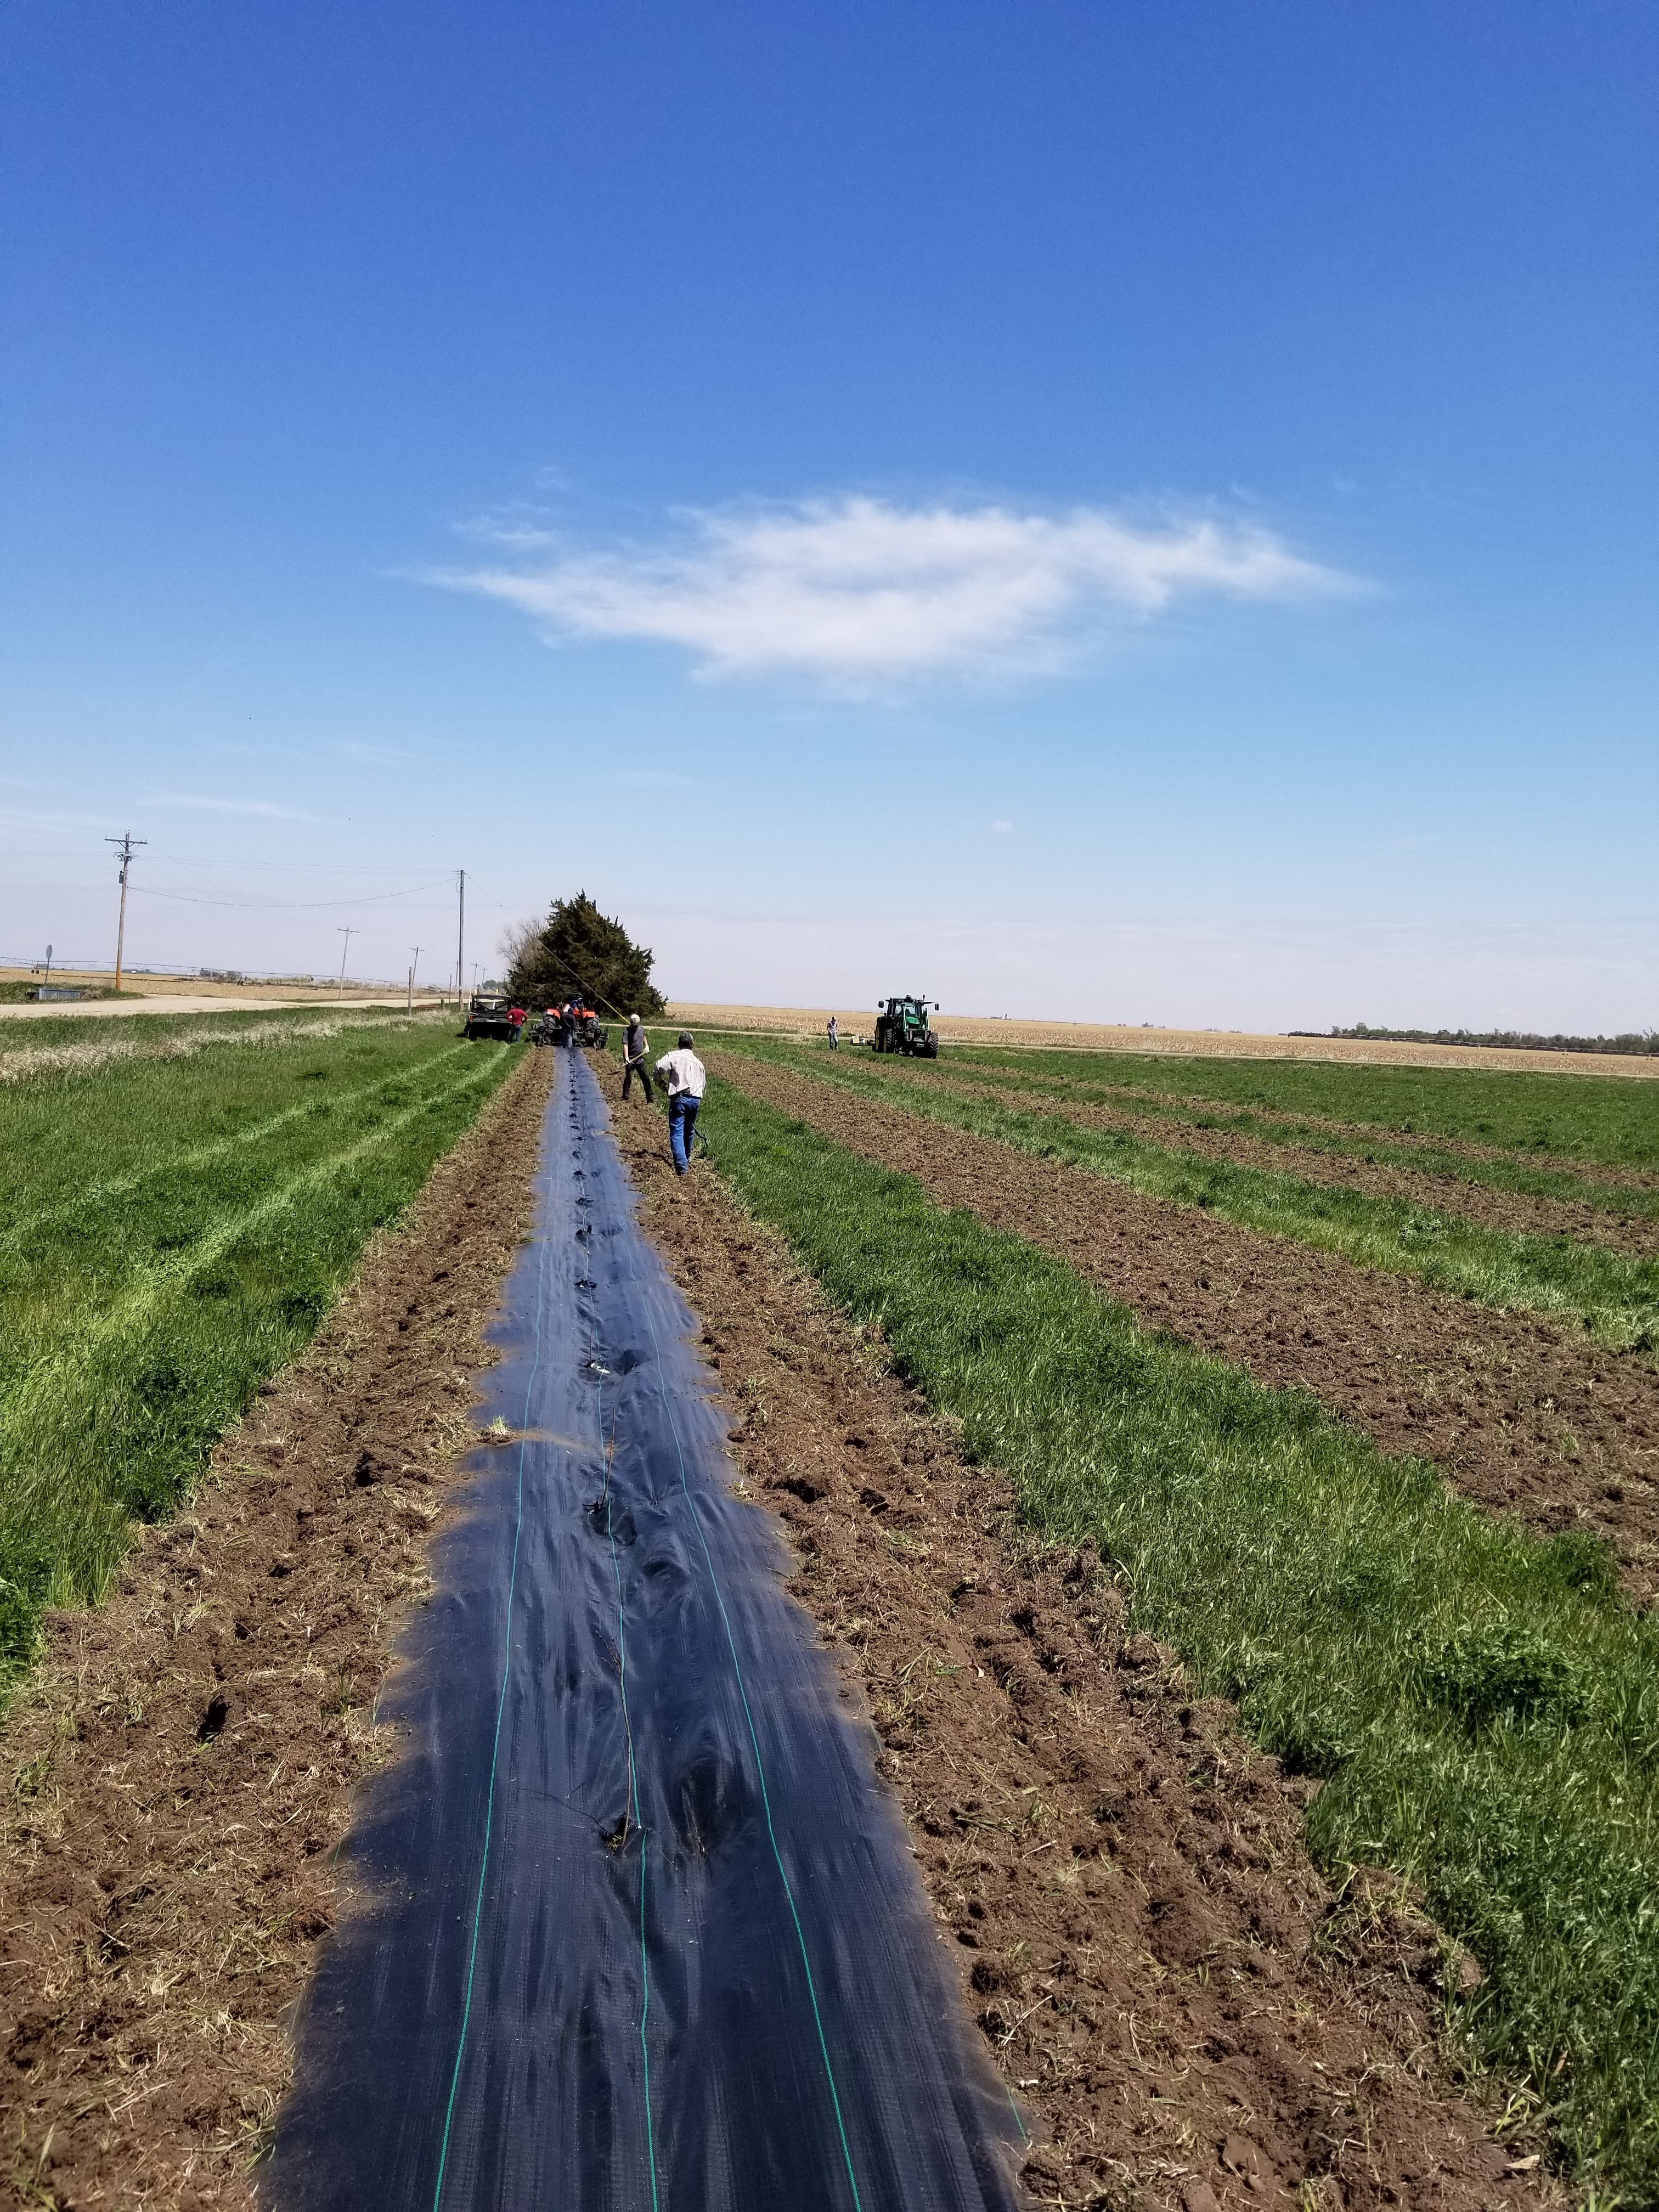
x=510, y=532
x=1002, y=828
x=858, y=589
x=265, y=806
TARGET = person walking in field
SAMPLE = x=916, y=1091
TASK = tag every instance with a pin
x=636, y=1049
x=832, y=1031
x=686, y=1078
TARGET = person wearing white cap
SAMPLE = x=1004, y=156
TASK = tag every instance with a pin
x=636, y=1057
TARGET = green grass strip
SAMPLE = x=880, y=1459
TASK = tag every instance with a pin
x=1616, y=1298
x=137, y=1329
x=1512, y=1175
x=1485, y=1707
x=189, y=1162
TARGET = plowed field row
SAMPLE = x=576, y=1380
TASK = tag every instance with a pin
x=1525, y=1415
x=1615, y=1295
x=1479, y=1701
x=178, y=1768
x=1621, y=1223
x=1198, y=2016
x=1590, y=1181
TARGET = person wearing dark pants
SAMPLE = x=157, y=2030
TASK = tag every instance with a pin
x=686, y=1078
x=636, y=1047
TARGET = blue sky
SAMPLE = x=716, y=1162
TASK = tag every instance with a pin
x=1142, y=510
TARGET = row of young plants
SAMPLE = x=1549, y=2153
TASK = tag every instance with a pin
x=1481, y=1705
x=1615, y=1296
x=172, y=1232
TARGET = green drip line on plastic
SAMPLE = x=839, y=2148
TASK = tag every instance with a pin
x=496, y=1750
x=760, y=1774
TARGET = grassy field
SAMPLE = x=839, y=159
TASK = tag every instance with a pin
x=1615, y=1298
x=1482, y=1706
x=178, y=1209
x=1578, y=1117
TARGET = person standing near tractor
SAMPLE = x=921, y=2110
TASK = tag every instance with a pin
x=687, y=1078
x=637, y=1051
x=832, y=1031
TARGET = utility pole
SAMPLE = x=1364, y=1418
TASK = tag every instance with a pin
x=460, y=941
x=414, y=964
x=126, y=844
x=347, y=930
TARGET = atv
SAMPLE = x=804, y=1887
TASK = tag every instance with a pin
x=491, y=1014
x=901, y=1025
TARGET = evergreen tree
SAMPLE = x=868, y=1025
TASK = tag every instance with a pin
x=583, y=954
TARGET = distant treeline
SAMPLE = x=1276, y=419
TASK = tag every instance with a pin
x=1504, y=1040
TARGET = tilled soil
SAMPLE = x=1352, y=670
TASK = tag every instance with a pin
x=1190, y=2016
x=1525, y=1416
x=1186, y=1104
x=181, y=1763
x=1513, y=1213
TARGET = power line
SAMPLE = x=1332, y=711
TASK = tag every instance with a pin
x=294, y=906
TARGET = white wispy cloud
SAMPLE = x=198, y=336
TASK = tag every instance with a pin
x=860, y=589
x=266, y=807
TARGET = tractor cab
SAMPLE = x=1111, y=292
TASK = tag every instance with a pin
x=901, y=1025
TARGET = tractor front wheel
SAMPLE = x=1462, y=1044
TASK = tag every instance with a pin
x=930, y=1047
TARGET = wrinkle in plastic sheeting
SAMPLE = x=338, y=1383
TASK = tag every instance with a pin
x=637, y=1926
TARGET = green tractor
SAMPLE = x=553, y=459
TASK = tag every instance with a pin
x=901, y=1025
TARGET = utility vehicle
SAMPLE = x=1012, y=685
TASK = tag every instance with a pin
x=492, y=1014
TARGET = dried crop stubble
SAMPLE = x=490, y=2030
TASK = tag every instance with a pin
x=182, y=1761
x=1195, y=2017
x=1525, y=1417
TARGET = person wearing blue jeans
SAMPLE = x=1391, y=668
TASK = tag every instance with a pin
x=687, y=1079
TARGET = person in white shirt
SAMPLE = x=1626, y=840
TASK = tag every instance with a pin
x=687, y=1078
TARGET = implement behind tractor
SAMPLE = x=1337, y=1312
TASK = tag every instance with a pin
x=901, y=1025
